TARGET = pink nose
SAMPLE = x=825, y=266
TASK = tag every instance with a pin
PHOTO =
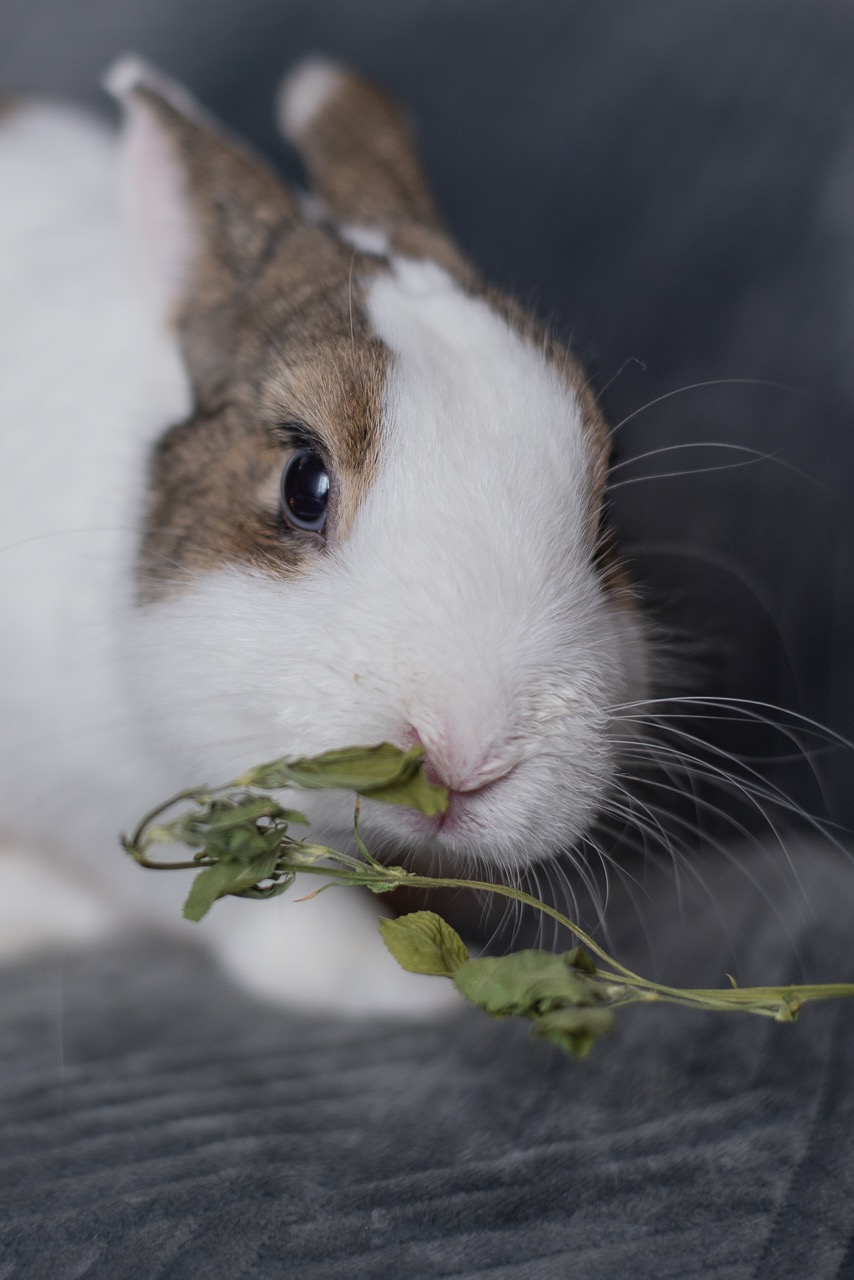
x=440, y=766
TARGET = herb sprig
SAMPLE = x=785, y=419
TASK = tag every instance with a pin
x=243, y=846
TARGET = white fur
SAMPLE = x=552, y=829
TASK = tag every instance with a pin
x=88, y=381
x=304, y=93
x=463, y=606
x=365, y=239
x=44, y=906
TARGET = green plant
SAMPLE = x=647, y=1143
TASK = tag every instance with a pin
x=242, y=844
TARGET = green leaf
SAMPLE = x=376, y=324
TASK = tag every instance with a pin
x=357, y=768
x=526, y=983
x=239, y=844
x=224, y=878
x=423, y=942
x=575, y=1030
x=292, y=817
x=560, y=995
x=412, y=793
x=382, y=772
x=238, y=811
x=281, y=884
x=580, y=959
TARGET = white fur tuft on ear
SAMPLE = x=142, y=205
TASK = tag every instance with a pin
x=305, y=91
x=125, y=74
x=128, y=73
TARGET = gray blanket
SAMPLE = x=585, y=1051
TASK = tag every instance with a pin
x=156, y=1123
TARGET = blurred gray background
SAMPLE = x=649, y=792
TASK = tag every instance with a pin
x=672, y=186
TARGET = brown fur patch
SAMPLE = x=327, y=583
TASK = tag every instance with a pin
x=274, y=334
x=8, y=106
x=361, y=157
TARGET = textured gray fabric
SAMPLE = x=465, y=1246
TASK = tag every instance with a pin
x=156, y=1123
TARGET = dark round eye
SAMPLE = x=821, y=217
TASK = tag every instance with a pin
x=305, y=491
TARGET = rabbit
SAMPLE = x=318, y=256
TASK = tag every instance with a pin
x=280, y=474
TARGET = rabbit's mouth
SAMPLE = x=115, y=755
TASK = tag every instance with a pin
x=497, y=821
x=473, y=788
x=465, y=803
x=476, y=824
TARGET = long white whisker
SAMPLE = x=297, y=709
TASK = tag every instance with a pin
x=753, y=784
x=752, y=788
x=697, y=386
x=747, y=710
x=756, y=455
x=686, y=471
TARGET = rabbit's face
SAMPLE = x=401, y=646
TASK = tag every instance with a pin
x=381, y=519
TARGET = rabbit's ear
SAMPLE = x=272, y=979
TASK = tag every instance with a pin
x=206, y=211
x=356, y=146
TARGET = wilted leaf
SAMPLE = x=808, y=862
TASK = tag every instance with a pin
x=238, y=844
x=423, y=942
x=357, y=768
x=412, y=793
x=224, y=878
x=383, y=772
x=575, y=1030
x=525, y=983
x=223, y=815
x=579, y=959
x=293, y=817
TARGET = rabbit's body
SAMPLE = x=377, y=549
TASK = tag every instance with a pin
x=82, y=398
x=170, y=618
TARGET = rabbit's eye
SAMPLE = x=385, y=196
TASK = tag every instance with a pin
x=305, y=491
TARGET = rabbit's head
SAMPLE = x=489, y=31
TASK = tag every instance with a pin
x=382, y=516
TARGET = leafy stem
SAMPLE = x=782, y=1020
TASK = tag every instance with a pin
x=243, y=846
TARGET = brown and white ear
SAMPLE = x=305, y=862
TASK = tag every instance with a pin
x=204, y=210
x=356, y=145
